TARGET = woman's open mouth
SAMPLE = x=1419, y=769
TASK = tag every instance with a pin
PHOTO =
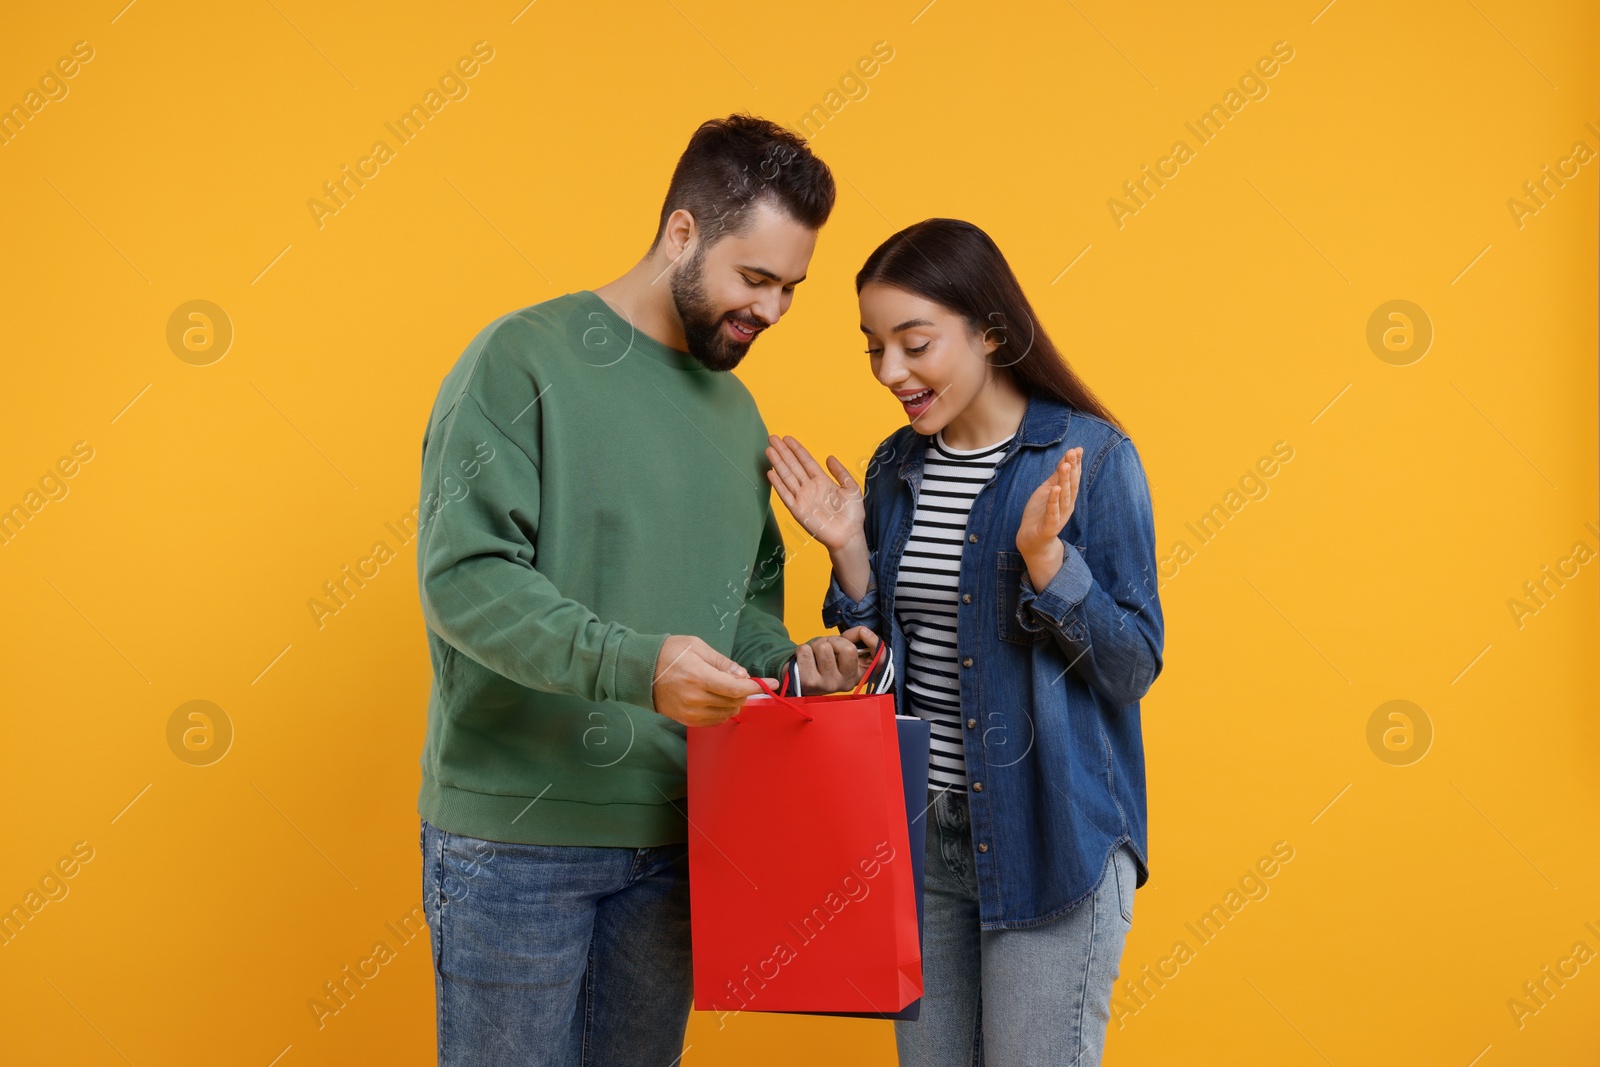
x=917, y=403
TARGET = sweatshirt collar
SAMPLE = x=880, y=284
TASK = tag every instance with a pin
x=633, y=341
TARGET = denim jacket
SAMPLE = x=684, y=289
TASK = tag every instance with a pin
x=1051, y=678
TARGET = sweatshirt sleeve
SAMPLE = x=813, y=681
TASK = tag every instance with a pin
x=481, y=589
x=761, y=642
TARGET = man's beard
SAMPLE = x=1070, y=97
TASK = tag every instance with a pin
x=702, y=324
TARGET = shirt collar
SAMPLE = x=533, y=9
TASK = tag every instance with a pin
x=1044, y=423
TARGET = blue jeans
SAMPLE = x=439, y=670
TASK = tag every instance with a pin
x=1011, y=998
x=557, y=955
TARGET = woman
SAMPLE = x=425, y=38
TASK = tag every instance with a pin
x=1005, y=543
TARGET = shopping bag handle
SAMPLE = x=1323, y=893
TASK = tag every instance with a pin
x=791, y=705
x=872, y=665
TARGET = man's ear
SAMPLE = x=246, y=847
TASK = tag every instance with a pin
x=679, y=234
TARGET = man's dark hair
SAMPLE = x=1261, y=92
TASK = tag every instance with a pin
x=733, y=164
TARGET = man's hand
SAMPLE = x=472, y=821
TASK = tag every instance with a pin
x=697, y=685
x=830, y=664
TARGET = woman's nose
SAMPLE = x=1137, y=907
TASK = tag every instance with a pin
x=891, y=371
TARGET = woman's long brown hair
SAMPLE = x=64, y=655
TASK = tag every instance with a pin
x=958, y=266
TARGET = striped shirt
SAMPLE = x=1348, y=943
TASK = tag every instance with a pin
x=926, y=594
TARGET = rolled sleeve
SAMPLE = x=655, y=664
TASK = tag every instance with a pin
x=1061, y=595
x=1109, y=622
x=842, y=613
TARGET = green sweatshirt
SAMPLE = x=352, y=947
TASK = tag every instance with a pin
x=586, y=491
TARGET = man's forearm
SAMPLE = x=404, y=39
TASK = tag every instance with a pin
x=509, y=618
x=482, y=592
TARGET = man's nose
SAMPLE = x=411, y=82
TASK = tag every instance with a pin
x=767, y=309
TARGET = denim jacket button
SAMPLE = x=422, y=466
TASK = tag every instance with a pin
x=967, y=662
x=977, y=787
x=1039, y=875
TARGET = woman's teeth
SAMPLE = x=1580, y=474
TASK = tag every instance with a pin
x=916, y=398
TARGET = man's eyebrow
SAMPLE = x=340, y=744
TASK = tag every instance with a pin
x=906, y=325
x=765, y=273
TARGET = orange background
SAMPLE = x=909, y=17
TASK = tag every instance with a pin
x=1230, y=312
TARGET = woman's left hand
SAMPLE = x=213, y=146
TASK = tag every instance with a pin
x=1046, y=513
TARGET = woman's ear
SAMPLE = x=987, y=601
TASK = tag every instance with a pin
x=994, y=335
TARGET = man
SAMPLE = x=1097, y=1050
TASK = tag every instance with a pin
x=601, y=569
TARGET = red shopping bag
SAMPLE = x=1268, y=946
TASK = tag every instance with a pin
x=800, y=874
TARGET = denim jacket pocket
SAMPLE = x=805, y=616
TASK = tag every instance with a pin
x=1011, y=566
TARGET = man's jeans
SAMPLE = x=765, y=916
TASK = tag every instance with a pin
x=557, y=955
x=1010, y=998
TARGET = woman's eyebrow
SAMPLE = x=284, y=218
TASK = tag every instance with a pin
x=906, y=325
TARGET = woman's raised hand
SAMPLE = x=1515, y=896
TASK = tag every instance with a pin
x=1047, y=512
x=829, y=509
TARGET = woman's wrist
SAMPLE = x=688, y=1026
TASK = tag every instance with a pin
x=856, y=541
x=1044, y=563
x=852, y=566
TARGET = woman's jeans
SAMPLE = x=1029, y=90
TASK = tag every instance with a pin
x=1010, y=998
x=557, y=955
